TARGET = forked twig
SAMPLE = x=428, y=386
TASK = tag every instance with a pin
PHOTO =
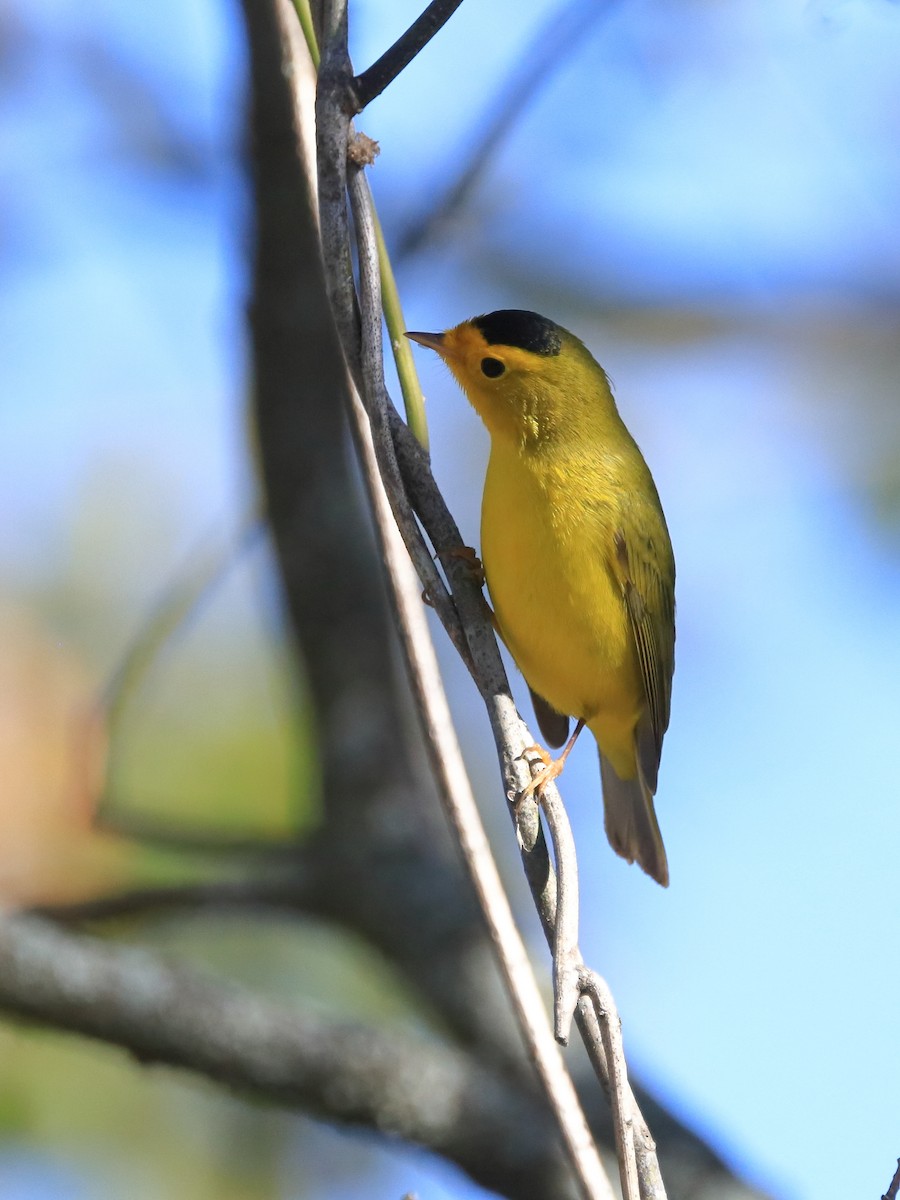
x=372, y=82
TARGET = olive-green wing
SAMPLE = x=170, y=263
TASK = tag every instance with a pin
x=646, y=571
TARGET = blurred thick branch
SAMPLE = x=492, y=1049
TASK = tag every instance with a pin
x=381, y=861
x=343, y=1070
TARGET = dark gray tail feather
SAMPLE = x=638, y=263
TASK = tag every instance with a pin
x=631, y=822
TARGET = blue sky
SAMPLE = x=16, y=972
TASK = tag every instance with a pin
x=736, y=162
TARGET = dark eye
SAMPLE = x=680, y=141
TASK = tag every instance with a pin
x=492, y=367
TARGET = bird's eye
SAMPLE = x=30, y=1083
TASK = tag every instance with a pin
x=492, y=367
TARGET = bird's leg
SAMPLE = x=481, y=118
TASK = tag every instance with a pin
x=552, y=766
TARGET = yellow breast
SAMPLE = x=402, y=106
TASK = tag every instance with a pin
x=547, y=535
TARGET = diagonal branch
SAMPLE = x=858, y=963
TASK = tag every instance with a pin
x=894, y=1189
x=372, y=82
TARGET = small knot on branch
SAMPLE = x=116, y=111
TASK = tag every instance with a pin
x=362, y=150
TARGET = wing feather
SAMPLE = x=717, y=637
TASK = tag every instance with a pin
x=646, y=571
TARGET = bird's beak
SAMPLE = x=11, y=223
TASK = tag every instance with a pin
x=434, y=341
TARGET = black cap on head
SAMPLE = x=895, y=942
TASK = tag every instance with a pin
x=521, y=328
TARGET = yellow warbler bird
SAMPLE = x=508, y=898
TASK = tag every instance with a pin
x=576, y=555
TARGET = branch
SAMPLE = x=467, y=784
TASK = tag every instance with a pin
x=339, y=1070
x=382, y=840
x=453, y=785
x=380, y=469
x=371, y=83
x=894, y=1189
x=596, y=990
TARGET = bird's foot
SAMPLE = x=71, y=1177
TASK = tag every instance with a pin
x=551, y=769
x=469, y=559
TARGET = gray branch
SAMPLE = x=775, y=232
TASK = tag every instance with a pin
x=382, y=863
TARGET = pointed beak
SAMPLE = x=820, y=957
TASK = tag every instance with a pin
x=433, y=341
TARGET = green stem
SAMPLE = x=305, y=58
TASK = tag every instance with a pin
x=413, y=400
x=304, y=15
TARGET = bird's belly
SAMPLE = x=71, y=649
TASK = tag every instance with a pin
x=558, y=607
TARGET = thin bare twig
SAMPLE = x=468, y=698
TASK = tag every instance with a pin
x=372, y=82
x=590, y=1025
x=567, y=962
x=596, y=990
x=333, y=133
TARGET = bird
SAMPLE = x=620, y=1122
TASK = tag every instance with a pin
x=576, y=556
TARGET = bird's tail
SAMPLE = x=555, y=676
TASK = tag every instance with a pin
x=631, y=821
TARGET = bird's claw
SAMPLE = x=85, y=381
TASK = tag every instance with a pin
x=551, y=769
x=469, y=559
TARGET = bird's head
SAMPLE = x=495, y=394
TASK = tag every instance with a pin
x=518, y=369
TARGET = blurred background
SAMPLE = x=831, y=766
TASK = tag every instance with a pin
x=708, y=195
